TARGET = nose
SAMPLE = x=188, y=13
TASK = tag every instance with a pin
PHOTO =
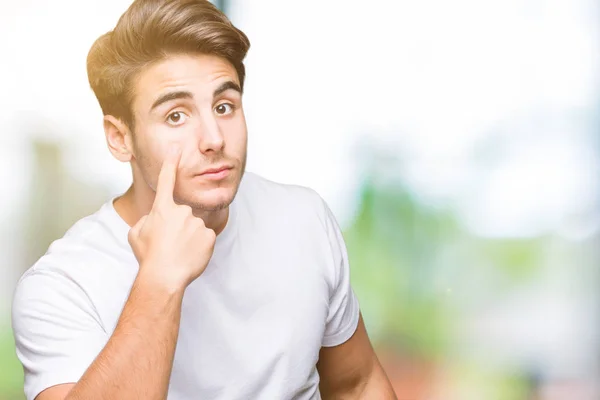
x=210, y=138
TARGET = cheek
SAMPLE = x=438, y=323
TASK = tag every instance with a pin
x=156, y=138
x=235, y=135
x=149, y=153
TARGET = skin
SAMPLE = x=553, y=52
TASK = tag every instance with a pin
x=210, y=130
x=176, y=213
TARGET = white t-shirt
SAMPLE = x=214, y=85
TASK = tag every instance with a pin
x=276, y=290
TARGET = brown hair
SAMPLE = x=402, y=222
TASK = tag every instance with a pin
x=150, y=31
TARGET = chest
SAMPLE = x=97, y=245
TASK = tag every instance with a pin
x=252, y=325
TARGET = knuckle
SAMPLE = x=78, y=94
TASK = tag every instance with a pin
x=157, y=211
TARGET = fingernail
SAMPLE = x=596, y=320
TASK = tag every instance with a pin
x=173, y=149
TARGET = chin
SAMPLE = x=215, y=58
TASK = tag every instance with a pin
x=211, y=200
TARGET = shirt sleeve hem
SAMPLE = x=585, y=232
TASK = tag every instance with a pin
x=34, y=389
x=345, y=334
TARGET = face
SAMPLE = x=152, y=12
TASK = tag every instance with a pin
x=195, y=102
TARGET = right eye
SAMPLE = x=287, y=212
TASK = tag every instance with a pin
x=176, y=118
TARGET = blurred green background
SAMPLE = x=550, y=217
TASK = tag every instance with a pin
x=458, y=145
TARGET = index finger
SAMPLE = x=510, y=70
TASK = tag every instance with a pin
x=168, y=176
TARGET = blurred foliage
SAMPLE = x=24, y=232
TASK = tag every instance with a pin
x=11, y=376
x=407, y=257
x=53, y=188
x=472, y=381
x=519, y=259
x=392, y=245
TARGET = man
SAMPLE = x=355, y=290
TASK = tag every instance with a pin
x=201, y=281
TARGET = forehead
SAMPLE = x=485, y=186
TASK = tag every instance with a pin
x=197, y=73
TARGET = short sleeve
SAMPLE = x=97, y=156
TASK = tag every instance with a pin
x=57, y=330
x=343, y=316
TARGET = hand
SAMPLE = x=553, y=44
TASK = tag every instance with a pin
x=172, y=246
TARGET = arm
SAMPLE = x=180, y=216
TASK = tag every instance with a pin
x=136, y=362
x=352, y=370
x=172, y=248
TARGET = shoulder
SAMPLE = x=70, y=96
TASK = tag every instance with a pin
x=93, y=236
x=292, y=200
x=78, y=260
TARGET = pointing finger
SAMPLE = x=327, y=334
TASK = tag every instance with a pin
x=168, y=176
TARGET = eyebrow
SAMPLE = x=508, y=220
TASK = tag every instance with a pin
x=229, y=85
x=181, y=94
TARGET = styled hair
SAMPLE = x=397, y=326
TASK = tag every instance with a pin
x=150, y=31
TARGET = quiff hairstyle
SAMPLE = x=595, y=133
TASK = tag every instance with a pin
x=150, y=31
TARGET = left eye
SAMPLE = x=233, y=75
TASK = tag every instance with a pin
x=224, y=109
x=176, y=118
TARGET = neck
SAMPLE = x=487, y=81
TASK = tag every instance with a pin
x=133, y=205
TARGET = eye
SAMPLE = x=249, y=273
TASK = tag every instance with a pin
x=176, y=118
x=224, y=108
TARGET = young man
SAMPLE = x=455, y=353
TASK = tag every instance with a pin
x=201, y=281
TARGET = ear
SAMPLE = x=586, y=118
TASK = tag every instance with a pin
x=118, y=138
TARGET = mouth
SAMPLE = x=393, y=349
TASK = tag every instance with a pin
x=216, y=173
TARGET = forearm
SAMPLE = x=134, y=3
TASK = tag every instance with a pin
x=136, y=362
